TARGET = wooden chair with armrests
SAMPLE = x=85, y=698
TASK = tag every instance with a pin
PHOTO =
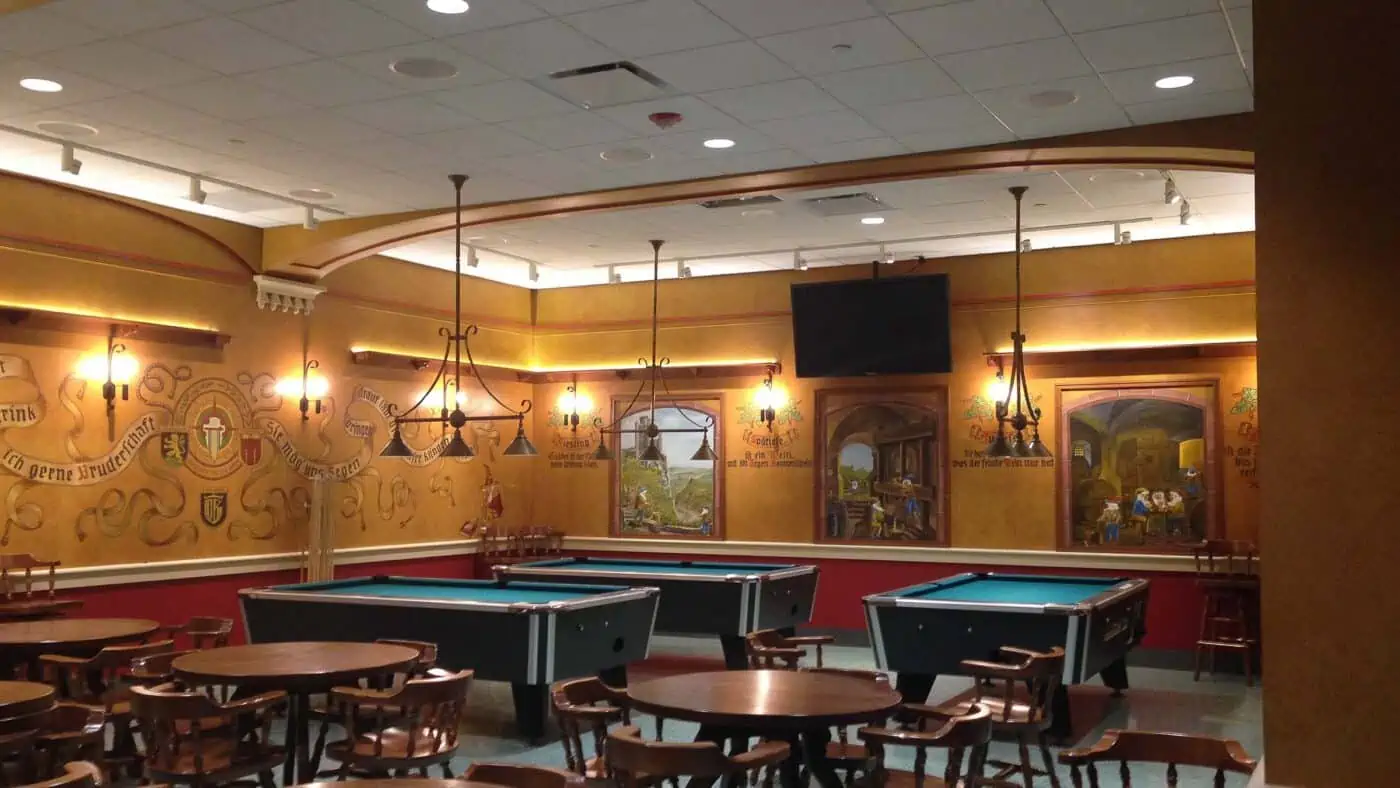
x=18, y=745
x=153, y=669
x=104, y=680
x=771, y=649
x=203, y=632
x=73, y=732
x=183, y=747
x=841, y=754
x=327, y=712
x=967, y=733
x=515, y=775
x=76, y=774
x=17, y=573
x=638, y=763
x=1227, y=574
x=1172, y=749
x=587, y=705
x=1027, y=718
x=411, y=727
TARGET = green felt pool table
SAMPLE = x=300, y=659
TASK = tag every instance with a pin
x=529, y=634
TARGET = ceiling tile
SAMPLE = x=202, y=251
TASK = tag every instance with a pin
x=716, y=68
x=871, y=42
x=696, y=114
x=1226, y=102
x=315, y=128
x=230, y=98
x=534, y=49
x=955, y=138
x=561, y=7
x=485, y=14
x=1136, y=86
x=651, y=27
x=501, y=101
x=478, y=143
x=781, y=16
x=1168, y=41
x=231, y=6
x=569, y=131
x=1080, y=15
x=1242, y=23
x=823, y=128
x=896, y=6
x=746, y=140
x=76, y=87
x=376, y=64
x=224, y=45
x=773, y=100
x=776, y=159
x=890, y=84
x=855, y=150
x=1015, y=109
x=143, y=113
x=978, y=24
x=912, y=117
x=107, y=132
x=43, y=30
x=1016, y=64
x=125, y=64
x=172, y=154
x=407, y=115
x=122, y=17
x=323, y=83
x=1073, y=119
x=330, y=27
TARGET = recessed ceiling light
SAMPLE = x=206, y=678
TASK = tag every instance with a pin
x=448, y=6
x=1172, y=83
x=40, y=85
x=625, y=155
x=1049, y=99
x=312, y=195
x=872, y=220
x=423, y=68
x=62, y=128
x=719, y=143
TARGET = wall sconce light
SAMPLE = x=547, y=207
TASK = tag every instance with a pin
x=997, y=387
x=309, y=391
x=769, y=397
x=571, y=403
x=114, y=370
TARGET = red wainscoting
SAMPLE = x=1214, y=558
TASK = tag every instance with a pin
x=1173, y=610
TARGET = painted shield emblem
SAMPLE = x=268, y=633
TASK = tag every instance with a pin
x=250, y=448
x=174, y=447
x=213, y=507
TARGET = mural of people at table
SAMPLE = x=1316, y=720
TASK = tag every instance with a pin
x=1110, y=521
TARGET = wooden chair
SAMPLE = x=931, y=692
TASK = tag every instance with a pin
x=103, y=680
x=771, y=649
x=77, y=774
x=967, y=733
x=1172, y=749
x=73, y=732
x=412, y=727
x=844, y=756
x=327, y=712
x=1023, y=717
x=26, y=604
x=514, y=775
x=204, y=632
x=18, y=738
x=637, y=763
x=154, y=669
x=586, y=705
x=182, y=749
x=1227, y=574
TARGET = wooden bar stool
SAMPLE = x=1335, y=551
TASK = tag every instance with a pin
x=1227, y=574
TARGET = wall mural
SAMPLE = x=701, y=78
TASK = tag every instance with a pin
x=210, y=428
x=777, y=447
x=676, y=496
x=883, y=472
x=1140, y=468
x=979, y=412
x=1243, y=448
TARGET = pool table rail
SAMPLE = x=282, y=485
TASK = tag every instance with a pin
x=545, y=573
x=903, y=597
x=609, y=595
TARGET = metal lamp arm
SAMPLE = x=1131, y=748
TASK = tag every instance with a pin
x=525, y=405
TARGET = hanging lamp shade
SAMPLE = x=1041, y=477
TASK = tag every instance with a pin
x=521, y=446
x=705, y=453
x=396, y=447
x=602, y=453
x=652, y=453
x=999, y=448
x=1019, y=447
x=1037, y=446
x=457, y=447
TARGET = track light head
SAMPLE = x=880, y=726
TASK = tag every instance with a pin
x=310, y=222
x=197, y=194
x=1186, y=216
x=534, y=272
x=1170, y=194
x=69, y=161
x=472, y=260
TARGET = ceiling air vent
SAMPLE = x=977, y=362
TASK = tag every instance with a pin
x=607, y=85
x=741, y=202
x=846, y=204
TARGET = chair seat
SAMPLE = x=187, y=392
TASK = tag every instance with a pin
x=846, y=753
x=900, y=779
x=218, y=756
x=1017, y=715
x=390, y=743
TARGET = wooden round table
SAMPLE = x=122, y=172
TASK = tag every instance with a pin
x=21, y=642
x=19, y=698
x=299, y=668
x=407, y=782
x=778, y=703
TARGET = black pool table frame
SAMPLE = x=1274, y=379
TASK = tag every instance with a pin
x=922, y=638
x=530, y=645
x=730, y=605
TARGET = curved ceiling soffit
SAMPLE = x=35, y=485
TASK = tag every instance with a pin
x=320, y=259
x=222, y=248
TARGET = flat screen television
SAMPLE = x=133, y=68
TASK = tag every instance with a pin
x=892, y=326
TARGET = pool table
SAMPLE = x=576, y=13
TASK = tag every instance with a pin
x=927, y=629
x=697, y=597
x=529, y=634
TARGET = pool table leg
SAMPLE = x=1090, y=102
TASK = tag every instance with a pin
x=915, y=687
x=736, y=656
x=1115, y=675
x=529, y=709
x=614, y=677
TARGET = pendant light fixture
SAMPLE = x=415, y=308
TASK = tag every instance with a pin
x=458, y=342
x=649, y=436
x=1011, y=439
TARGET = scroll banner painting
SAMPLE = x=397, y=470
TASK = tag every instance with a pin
x=676, y=495
x=883, y=475
x=1141, y=465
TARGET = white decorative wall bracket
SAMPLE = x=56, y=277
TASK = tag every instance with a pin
x=286, y=295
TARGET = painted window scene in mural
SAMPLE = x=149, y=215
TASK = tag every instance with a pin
x=675, y=495
x=882, y=467
x=1138, y=466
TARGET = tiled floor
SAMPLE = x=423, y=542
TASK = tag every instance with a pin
x=1159, y=700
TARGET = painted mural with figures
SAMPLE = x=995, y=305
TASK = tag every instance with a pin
x=193, y=458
